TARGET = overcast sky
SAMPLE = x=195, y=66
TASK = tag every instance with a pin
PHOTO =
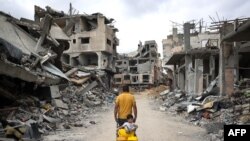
x=139, y=19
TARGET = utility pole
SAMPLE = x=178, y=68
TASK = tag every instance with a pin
x=70, y=9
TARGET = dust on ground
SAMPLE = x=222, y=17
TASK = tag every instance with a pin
x=154, y=125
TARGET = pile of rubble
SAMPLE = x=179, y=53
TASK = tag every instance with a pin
x=39, y=93
x=209, y=110
x=66, y=107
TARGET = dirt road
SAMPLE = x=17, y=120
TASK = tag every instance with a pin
x=153, y=126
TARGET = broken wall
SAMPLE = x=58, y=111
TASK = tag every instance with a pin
x=145, y=67
x=99, y=39
x=205, y=39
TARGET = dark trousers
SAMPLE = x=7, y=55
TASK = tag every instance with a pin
x=121, y=121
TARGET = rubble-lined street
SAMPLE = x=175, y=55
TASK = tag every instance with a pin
x=68, y=71
x=151, y=126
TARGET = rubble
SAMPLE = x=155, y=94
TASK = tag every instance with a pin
x=194, y=59
x=210, y=111
x=40, y=92
x=67, y=109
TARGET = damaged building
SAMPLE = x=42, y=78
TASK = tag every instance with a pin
x=93, y=41
x=49, y=73
x=30, y=64
x=141, y=67
x=234, y=56
x=25, y=58
x=191, y=57
x=195, y=60
x=211, y=80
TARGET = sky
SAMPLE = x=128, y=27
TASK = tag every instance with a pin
x=139, y=20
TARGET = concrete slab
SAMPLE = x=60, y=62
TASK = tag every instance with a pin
x=60, y=104
x=54, y=90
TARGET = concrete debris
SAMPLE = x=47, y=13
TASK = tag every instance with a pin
x=211, y=112
x=69, y=108
x=50, y=120
x=71, y=71
x=55, y=91
x=211, y=85
x=82, y=74
x=191, y=108
x=59, y=104
x=162, y=108
x=88, y=87
x=208, y=110
x=164, y=92
x=48, y=82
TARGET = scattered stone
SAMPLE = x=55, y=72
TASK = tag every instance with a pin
x=66, y=126
x=214, y=127
x=60, y=104
x=78, y=124
x=92, y=122
x=162, y=108
x=164, y=92
x=65, y=112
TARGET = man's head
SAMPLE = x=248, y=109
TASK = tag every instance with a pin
x=125, y=88
x=130, y=118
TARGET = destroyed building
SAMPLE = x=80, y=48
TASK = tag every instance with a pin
x=196, y=59
x=234, y=56
x=141, y=67
x=93, y=41
x=211, y=80
x=39, y=90
x=191, y=59
x=25, y=58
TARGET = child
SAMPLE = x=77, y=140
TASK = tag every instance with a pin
x=129, y=126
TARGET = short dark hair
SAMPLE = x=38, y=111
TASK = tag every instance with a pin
x=129, y=116
x=125, y=88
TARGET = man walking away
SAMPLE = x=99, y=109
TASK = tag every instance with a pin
x=124, y=105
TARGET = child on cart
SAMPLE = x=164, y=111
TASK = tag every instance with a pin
x=129, y=126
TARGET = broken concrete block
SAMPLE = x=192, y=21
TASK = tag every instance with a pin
x=82, y=74
x=55, y=93
x=244, y=118
x=162, y=108
x=238, y=108
x=164, y=92
x=65, y=112
x=178, y=95
x=88, y=88
x=246, y=106
x=66, y=126
x=245, y=112
x=79, y=81
x=78, y=124
x=191, y=108
x=92, y=122
x=50, y=119
x=89, y=103
x=70, y=72
x=91, y=97
x=60, y=104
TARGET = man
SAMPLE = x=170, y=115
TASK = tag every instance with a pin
x=124, y=105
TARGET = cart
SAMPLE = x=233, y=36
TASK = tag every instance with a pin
x=122, y=135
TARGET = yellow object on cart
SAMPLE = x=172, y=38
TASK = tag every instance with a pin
x=124, y=136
